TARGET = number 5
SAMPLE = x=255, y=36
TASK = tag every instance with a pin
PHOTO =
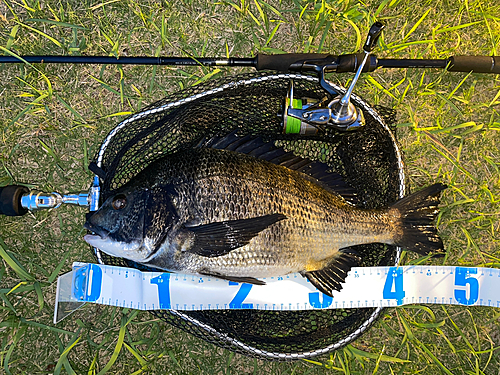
x=463, y=278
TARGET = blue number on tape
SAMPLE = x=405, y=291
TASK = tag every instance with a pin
x=237, y=302
x=463, y=278
x=393, y=287
x=316, y=303
x=163, y=282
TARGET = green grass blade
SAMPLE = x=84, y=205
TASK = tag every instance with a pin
x=18, y=289
x=207, y=76
x=358, y=34
x=57, y=23
x=455, y=28
x=56, y=42
x=494, y=100
x=45, y=327
x=261, y=12
x=378, y=356
x=70, y=108
x=454, y=127
x=63, y=360
x=137, y=356
x=9, y=305
x=12, y=37
x=372, y=80
x=455, y=163
x=417, y=24
x=433, y=357
x=273, y=9
x=119, y=343
x=271, y=36
x=38, y=291
x=14, y=264
x=381, y=8
x=328, y=25
x=19, y=334
x=51, y=152
x=49, y=84
x=58, y=268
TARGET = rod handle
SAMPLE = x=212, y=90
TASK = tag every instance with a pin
x=351, y=62
x=476, y=64
x=10, y=200
x=283, y=62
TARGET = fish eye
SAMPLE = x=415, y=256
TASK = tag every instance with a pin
x=119, y=202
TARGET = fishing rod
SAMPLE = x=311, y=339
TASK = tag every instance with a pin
x=282, y=63
x=299, y=117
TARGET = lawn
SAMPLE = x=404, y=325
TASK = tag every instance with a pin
x=54, y=117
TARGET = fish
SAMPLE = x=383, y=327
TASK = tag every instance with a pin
x=240, y=209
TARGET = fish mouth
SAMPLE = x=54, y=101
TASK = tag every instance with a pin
x=99, y=236
x=101, y=240
x=97, y=230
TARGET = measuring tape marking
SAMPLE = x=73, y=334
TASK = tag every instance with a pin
x=364, y=287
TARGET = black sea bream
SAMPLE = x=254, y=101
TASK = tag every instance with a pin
x=236, y=216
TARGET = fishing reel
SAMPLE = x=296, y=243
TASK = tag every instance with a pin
x=306, y=116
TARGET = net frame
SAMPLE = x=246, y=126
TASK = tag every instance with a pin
x=212, y=334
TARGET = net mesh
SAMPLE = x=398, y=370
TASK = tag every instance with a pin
x=252, y=104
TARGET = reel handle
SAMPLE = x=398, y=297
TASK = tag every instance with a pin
x=373, y=35
x=10, y=200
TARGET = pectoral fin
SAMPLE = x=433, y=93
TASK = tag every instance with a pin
x=334, y=273
x=236, y=279
x=217, y=239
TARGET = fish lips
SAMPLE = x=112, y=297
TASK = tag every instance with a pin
x=102, y=241
x=99, y=231
x=99, y=235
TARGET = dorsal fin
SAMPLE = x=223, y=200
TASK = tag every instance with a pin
x=255, y=146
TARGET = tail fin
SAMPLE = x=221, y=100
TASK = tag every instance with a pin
x=418, y=211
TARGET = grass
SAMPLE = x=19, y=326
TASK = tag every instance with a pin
x=52, y=118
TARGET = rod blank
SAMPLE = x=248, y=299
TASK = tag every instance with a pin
x=137, y=60
x=282, y=63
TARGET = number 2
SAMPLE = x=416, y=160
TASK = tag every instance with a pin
x=237, y=302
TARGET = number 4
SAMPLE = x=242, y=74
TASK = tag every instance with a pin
x=393, y=287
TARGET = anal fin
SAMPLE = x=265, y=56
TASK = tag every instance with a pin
x=332, y=276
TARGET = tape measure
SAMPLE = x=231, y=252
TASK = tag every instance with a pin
x=364, y=287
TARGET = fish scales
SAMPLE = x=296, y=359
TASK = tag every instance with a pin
x=224, y=185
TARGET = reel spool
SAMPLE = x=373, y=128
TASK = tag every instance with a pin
x=368, y=159
x=294, y=125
